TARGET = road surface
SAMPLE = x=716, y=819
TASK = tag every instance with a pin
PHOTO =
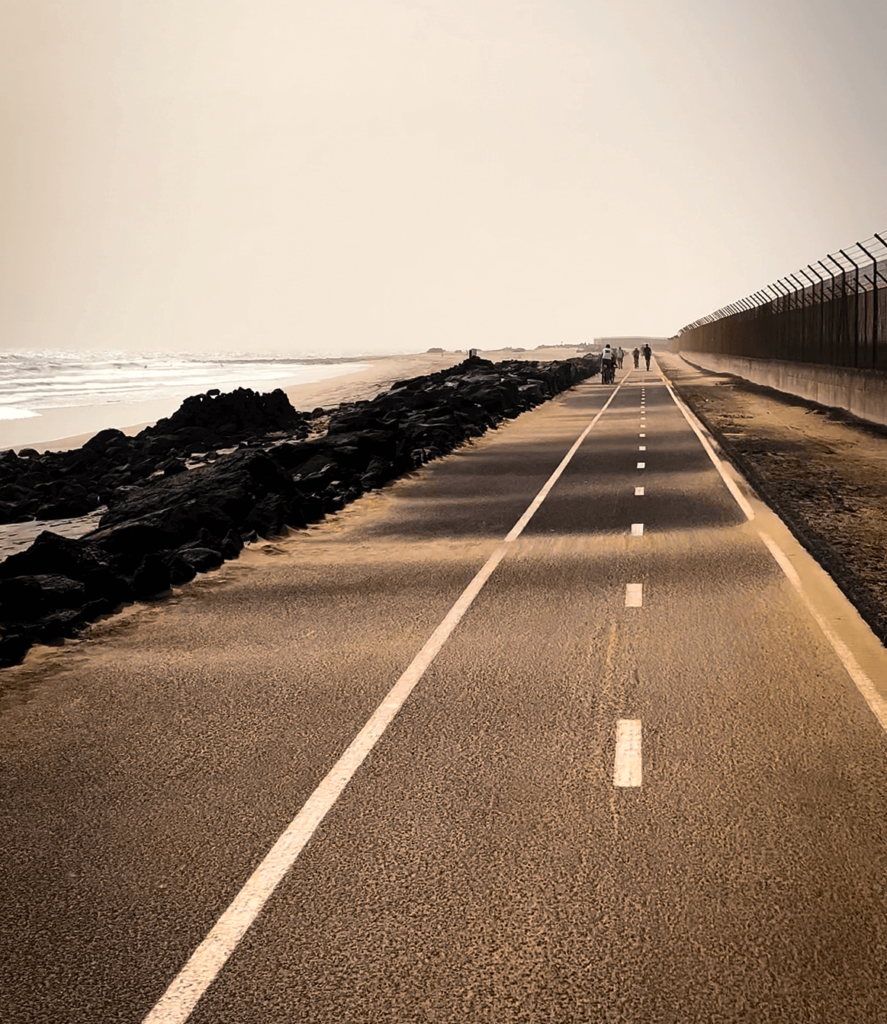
x=633, y=782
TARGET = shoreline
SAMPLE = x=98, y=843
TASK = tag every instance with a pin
x=65, y=427
x=361, y=385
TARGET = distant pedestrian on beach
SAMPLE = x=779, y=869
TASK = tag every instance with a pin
x=647, y=353
x=620, y=355
x=637, y=355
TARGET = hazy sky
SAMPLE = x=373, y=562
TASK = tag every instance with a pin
x=390, y=175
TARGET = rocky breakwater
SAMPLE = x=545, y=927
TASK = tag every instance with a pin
x=186, y=494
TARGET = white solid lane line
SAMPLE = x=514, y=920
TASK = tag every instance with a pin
x=865, y=686
x=861, y=680
x=185, y=991
x=700, y=432
x=628, y=768
x=637, y=529
x=634, y=595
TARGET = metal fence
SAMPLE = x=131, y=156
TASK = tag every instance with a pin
x=832, y=312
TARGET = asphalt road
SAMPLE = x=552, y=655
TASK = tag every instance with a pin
x=481, y=864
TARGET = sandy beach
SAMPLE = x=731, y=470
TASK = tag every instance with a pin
x=361, y=385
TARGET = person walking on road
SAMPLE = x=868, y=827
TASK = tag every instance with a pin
x=647, y=353
x=620, y=355
x=637, y=355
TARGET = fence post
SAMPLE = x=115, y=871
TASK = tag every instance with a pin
x=812, y=297
x=875, y=310
x=803, y=308
x=785, y=333
x=780, y=320
x=821, y=306
x=843, y=307
x=831, y=299
x=855, y=308
x=783, y=295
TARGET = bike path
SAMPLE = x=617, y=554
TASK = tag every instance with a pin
x=481, y=864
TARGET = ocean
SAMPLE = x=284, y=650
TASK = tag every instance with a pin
x=121, y=389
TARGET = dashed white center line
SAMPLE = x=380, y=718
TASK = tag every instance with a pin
x=642, y=447
x=628, y=769
x=637, y=529
x=642, y=465
x=639, y=492
x=634, y=595
x=642, y=435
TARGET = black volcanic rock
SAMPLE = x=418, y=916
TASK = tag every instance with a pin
x=243, y=412
x=52, y=554
x=165, y=522
x=126, y=540
x=268, y=516
x=228, y=488
x=106, y=441
x=26, y=598
x=201, y=559
x=152, y=576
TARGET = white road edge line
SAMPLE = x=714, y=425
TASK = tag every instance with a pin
x=186, y=989
x=708, y=445
x=628, y=767
x=863, y=683
x=865, y=686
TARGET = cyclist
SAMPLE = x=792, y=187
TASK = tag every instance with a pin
x=608, y=365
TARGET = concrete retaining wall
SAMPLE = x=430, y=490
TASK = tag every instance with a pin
x=861, y=392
